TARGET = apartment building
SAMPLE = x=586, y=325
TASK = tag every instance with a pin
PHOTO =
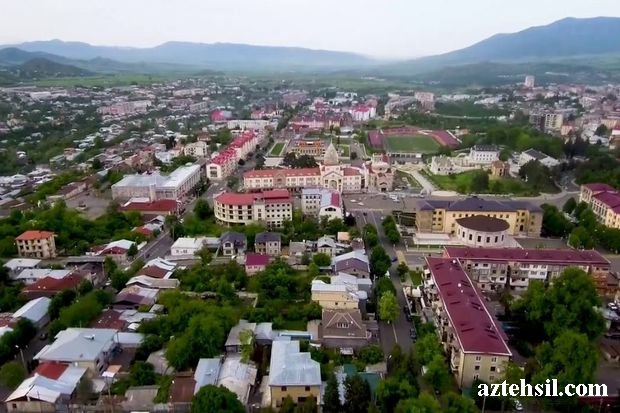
x=496, y=268
x=197, y=149
x=269, y=207
x=438, y=216
x=225, y=161
x=153, y=186
x=470, y=335
x=604, y=201
x=321, y=203
x=36, y=244
x=314, y=147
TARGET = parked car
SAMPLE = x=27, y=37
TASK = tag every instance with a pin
x=413, y=334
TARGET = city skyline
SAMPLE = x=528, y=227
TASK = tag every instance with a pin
x=359, y=26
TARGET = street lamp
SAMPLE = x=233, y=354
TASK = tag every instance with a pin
x=21, y=352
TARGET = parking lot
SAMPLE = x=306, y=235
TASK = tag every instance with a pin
x=89, y=205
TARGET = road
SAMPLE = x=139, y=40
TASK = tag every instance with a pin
x=160, y=247
x=397, y=332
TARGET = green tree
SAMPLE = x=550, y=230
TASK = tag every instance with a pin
x=569, y=205
x=456, y=403
x=308, y=406
x=313, y=270
x=288, y=405
x=371, y=354
x=425, y=403
x=213, y=399
x=246, y=337
x=437, y=375
x=581, y=238
x=402, y=270
x=427, y=347
x=322, y=260
x=132, y=251
x=357, y=393
x=479, y=182
x=142, y=374
x=12, y=374
x=392, y=390
x=331, y=399
x=202, y=209
x=380, y=262
x=85, y=389
x=388, y=307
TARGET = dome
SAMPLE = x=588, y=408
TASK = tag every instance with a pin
x=483, y=223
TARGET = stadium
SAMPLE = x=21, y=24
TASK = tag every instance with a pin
x=410, y=141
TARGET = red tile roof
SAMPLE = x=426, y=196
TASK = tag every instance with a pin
x=567, y=257
x=257, y=260
x=109, y=319
x=54, y=284
x=351, y=172
x=475, y=328
x=34, y=235
x=599, y=187
x=608, y=198
x=169, y=205
x=266, y=173
x=51, y=370
x=233, y=198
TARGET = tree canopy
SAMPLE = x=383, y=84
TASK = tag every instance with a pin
x=216, y=399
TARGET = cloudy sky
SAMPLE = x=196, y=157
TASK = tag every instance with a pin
x=381, y=28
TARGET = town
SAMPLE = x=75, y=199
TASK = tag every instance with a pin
x=229, y=243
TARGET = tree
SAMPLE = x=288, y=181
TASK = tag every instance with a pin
x=402, y=269
x=380, y=262
x=322, y=260
x=12, y=374
x=437, y=375
x=331, y=399
x=479, y=182
x=371, y=354
x=456, y=403
x=202, y=209
x=601, y=130
x=555, y=224
x=308, y=406
x=288, y=405
x=216, y=399
x=357, y=393
x=580, y=238
x=388, y=307
x=133, y=250
x=425, y=403
x=569, y=205
x=246, y=337
x=313, y=270
x=538, y=176
x=392, y=390
x=427, y=347
x=142, y=374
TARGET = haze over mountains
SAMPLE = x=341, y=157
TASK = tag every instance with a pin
x=565, y=39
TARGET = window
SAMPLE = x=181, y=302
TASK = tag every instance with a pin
x=283, y=388
x=478, y=358
x=479, y=238
x=493, y=359
x=476, y=376
x=307, y=388
x=476, y=368
x=493, y=368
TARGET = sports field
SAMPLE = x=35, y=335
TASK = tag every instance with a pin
x=411, y=143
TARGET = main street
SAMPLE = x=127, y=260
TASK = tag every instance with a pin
x=397, y=332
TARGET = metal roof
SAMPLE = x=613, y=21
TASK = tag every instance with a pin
x=290, y=367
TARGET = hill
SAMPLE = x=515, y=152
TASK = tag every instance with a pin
x=201, y=55
x=40, y=67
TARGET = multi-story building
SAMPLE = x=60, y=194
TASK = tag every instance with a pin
x=530, y=82
x=380, y=174
x=269, y=243
x=361, y=113
x=470, y=335
x=314, y=147
x=513, y=268
x=36, y=244
x=438, y=216
x=336, y=296
x=269, y=207
x=320, y=202
x=257, y=124
x=483, y=154
x=153, y=186
x=534, y=155
x=125, y=108
x=197, y=149
x=604, y=201
x=225, y=162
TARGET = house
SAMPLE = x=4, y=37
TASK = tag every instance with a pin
x=153, y=283
x=134, y=296
x=500, y=168
x=534, y=155
x=30, y=276
x=327, y=245
x=35, y=311
x=49, y=286
x=337, y=296
x=233, y=342
x=269, y=243
x=186, y=246
x=17, y=265
x=233, y=243
x=117, y=250
x=343, y=328
x=158, y=268
x=353, y=263
x=292, y=374
x=256, y=262
x=36, y=244
x=231, y=372
x=89, y=348
x=49, y=389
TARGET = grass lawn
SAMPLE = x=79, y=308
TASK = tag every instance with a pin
x=402, y=177
x=343, y=150
x=497, y=185
x=277, y=149
x=118, y=79
x=416, y=278
x=415, y=143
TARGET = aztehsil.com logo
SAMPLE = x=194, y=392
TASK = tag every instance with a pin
x=549, y=388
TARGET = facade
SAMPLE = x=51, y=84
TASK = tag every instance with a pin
x=500, y=168
x=314, y=148
x=442, y=165
x=530, y=82
x=339, y=177
x=255, y=263
x=334, y=297
x=269, y=243
x=380, y=174
x=198, y=149
x=321, y=203
x=604, y=201
x=343, y=329
x=483, y=154
x=186, y=246
x=362, y=113
x=233, y=243
x=36, y=244
x=269, y=207
x=470, y=335
x=223, y=163
x=257, y=124
x=482, y=231
x=354, y=263
x=292, y=373
x=437, y=216
x=291, y=179
x=153, y=186
x=513, y=268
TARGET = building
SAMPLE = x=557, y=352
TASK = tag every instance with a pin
x=438, y=216
x=483, y=154
x=482, y=231
x=530, y=82
x=315, y=148
x=51, y=388
x=36, y=244
x=35, y=311
x=470, y=335
x=500, y=168
x=604, y=201
x=223, y=163
x=272, y=208
x=257, y=124
x=198, y=149
x=534, y=155
x=146, y=207
x=153, y=186
x=553, y=121
x=255, y=263
x=186, y=246
x=362, y=113
x=269, y=243
x=336, y=296
x=380, y=174
x=513, y=268
x=233, y=243
x=319, y=202
x=90, y=348
x=292, y=374
x=442, y=165
x=354, y=263
x=343, y=329
x=336, y=176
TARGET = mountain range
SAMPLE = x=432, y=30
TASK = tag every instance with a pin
x=565, y=42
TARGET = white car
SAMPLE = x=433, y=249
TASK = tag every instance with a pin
x=361, y=204
x=353, y=201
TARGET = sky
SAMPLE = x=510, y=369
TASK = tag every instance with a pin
x=378, y=28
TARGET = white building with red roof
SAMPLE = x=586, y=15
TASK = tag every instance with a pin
x=475, y=345
x=36, y=244
x=604, y=201
x=363, y=112
x=269, y=207
x=321, y=202
x=224, y=162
